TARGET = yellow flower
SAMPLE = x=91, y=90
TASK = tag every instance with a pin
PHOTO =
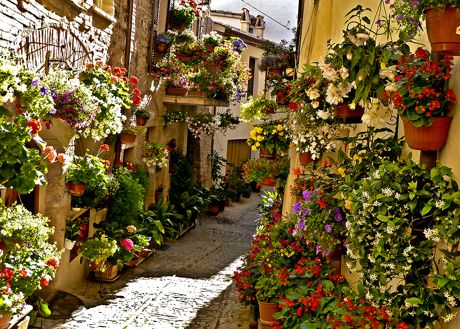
x=341, y=172
x=253, y=133
x=279, y=127
x=254, y=148
x=258, y=130
x=358, y=158
x=260, y=138
x=348, y=205
x=281, y=133
x=257, y=144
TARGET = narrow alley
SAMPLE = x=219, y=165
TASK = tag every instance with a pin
x=167, y=290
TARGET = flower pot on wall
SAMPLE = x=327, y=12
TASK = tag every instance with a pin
x=266, y=311
x=140, y=121
x=76, y=189
x=443, y=30
x=342, y=111
x=430, y=138
x=266, y=154
x=69, y=244
x=5, y=319
x=176, y=91
x=127, y=138
x=161, y=47
x=305, y=158
x=209, y=48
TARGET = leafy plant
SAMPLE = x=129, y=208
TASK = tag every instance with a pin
x=134, y=130
x=97, y=250
x=76, y=228
x=155, y=154
x=90, y=170
x=271, y=135
x=257, y=108
x=163, y=212
x=212, y=38
x=142, y=113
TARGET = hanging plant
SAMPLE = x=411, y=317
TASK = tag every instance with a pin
x=155, y=154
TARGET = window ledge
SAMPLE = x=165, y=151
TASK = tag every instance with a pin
x=104, y=14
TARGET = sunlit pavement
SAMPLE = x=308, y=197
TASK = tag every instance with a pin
x=171, y=287
x=163, y=303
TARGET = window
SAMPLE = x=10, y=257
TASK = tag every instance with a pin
x=252, y=67
x=106, y=5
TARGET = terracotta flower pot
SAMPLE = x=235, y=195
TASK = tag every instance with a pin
x=305, y=158
x=127, y=138
x=266, y=311
x=5, y=319
x=140, y=121
x=176, y=91
x=161, y=47
x=209, y=48
x=266, y=154
x=430, y=138
x=76, y=189
x=109, y=274
x=342, y=111
x=443, y=28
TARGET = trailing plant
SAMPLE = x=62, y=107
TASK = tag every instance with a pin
x=155, y=154
x=97, y=249
x=270, y=135
x=257, y=108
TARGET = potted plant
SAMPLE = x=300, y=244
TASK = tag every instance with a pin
x=211, y=41
x=183, y=15
x=264, y=171
x=155, y=154
x=442, y=19
x=87, y=171
x=75, y=229
x=257, y=108
x=162, y=41
x=422, y=100
x=142, y=116
x=274, y=58
x=129, y=133
x=97, y=249
x=271, y=135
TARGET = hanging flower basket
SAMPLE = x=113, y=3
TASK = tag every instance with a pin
x=274, y=72
x=305, y=158
x=266, y=311
x=430, y=138
x=140, y=121
x=342, y=111
x=76, y=189
x=443, y=30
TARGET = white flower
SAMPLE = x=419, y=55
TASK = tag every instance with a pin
x=329, y=72
x=313, y=93
x=392, y=86
x=388, y=72
x=376, y=174
x=315, y=104
x=334, y=94
x=389, y=229
x=397, y=196
x=450, y=299
x=440, y=204
x=344, y=72
x=388, y=191
x=449, y=317
x=324, y=114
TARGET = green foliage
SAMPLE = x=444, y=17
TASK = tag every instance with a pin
x=257, y=108
x=90, y=170
x=97, y=249
x=182, y=176
x=164, y=213
x=128, y=201
x=21, y=168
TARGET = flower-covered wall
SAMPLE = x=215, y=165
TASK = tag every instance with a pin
x=325, y=20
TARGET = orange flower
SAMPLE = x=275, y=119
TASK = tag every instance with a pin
x=104, y=147
x=297, y=171
x=50, y=153
x=61, y=158
x=133, y=80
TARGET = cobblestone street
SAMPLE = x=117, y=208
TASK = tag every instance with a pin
x=184, y=285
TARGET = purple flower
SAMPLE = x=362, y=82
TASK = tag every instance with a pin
x=378, y=22
x=318, y=248
x=34, y=83
x=306, y=195
x=414, y=3
x=306, y=212
x=399, y=18
x=328, y=228
x=387, y=1
x=338, y=217
x=326, y=252
x=43, y=91
x=301, y=225
x=297, y=207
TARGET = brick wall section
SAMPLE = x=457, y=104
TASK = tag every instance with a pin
x=93, y=30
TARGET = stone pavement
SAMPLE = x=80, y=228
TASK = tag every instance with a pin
x=184, y=285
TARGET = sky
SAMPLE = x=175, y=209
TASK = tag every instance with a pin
x=284, y=11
